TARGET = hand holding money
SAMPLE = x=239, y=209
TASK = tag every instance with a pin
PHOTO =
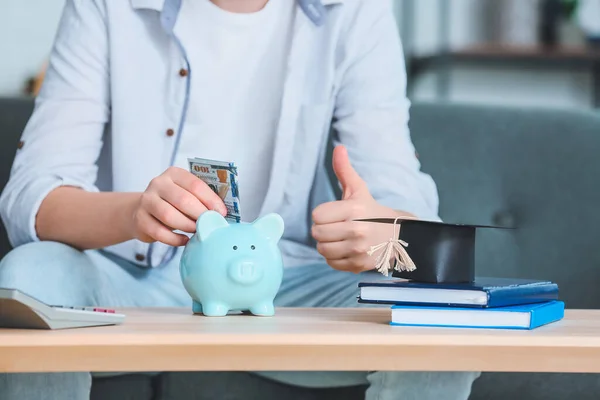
x=173, y=201
x=222, y=178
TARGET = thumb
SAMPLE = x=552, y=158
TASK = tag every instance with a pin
x=353, y=185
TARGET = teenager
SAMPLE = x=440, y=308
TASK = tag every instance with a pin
x=100, y=200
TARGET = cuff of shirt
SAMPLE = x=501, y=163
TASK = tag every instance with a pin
x=418, y=209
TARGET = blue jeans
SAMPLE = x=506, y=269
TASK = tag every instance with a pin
x=58, y=274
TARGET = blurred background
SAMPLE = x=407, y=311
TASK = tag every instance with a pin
x=517, y=52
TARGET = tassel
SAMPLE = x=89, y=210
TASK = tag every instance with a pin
x=394, y=249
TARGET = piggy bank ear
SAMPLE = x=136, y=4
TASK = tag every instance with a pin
x=271, y=225
x=208, y=222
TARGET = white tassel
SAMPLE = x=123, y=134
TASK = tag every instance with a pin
x=394, y=249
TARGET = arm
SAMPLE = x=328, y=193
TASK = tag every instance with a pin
x=377, y=167
x=172, y=201
x=372, y=112
x=86, y=220
x=63, y=138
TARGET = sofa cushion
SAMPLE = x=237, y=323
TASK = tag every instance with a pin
x=536, y=386
x=243, y=386
x=532, y=169
x=123, y=387
x=14, y=114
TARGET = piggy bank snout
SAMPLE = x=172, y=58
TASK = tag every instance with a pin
x=245, y=271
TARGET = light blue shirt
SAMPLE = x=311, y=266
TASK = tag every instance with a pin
x=118, y=85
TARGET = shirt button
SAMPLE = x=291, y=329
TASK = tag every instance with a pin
x=140, y=257
x=20, y=144
x=183, y=72
x=170, y=132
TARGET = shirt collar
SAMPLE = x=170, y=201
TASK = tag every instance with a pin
x=159, y=5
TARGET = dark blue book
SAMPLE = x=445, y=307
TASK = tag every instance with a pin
x=524, y=317
x=483, y=293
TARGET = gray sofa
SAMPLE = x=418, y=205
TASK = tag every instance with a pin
x=532, y=169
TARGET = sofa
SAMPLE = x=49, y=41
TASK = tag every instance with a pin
x=532, y=170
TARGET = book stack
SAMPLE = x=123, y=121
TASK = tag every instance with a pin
x=492, y=303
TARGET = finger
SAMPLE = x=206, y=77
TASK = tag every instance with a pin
x=168, y=215
x=341, y=250
x=182, y=200
x=355, y=265
x=159, y=232
x=199, y=189
x=339, y=231
x=352, y=184
x=334, y=250
x=143, y=237
x=334, y=232
x=338, y=211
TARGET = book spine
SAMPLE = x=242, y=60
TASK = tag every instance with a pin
x=522, y=295
x=546, y=314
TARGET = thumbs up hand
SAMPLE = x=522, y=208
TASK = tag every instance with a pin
x=343, y=241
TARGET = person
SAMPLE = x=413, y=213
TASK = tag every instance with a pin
x=100, y=202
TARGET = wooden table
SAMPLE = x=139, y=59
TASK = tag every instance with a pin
x=300, y=339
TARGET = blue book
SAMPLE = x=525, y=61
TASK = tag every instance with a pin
x=483, y=293
x=523, y=317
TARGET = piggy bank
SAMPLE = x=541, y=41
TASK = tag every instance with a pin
x=233, y=267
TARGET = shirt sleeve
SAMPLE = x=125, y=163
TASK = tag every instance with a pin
x=63, y=138
x=372, y=111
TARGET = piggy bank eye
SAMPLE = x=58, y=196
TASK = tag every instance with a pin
x=253, y=247
x=235, y=247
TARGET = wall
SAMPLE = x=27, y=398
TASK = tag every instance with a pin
x=26, y=36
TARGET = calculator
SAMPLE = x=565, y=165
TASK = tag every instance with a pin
x=21, y=311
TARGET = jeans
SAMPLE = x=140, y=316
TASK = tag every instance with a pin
x=58, y=274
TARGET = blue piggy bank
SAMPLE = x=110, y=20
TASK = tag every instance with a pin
x=233, y=267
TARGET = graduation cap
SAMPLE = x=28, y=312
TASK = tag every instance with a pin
x=429, y=251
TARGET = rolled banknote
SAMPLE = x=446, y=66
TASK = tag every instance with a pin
x=221, y=177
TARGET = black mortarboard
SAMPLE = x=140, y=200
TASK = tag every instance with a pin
x=441, y=252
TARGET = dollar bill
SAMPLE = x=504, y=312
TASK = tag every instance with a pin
x=222, y=178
